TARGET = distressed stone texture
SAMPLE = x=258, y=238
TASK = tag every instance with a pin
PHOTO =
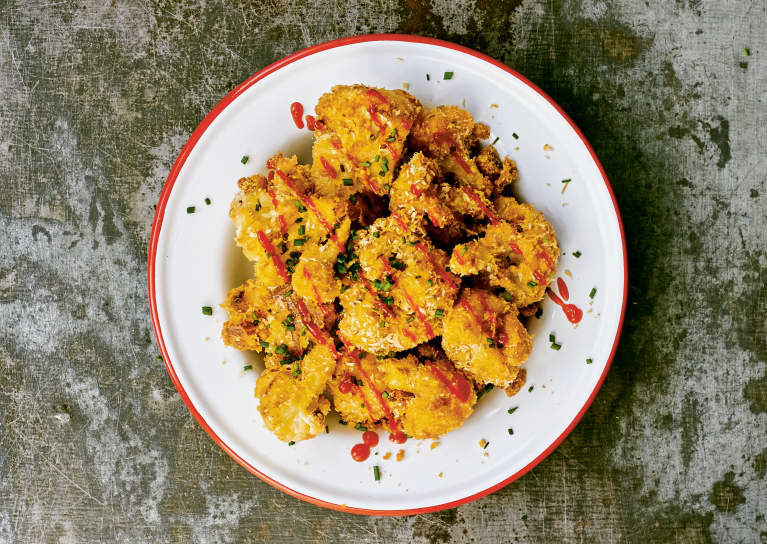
x=98, y=98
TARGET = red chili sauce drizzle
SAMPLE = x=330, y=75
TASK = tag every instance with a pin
x=272, y=251
x=444, y=137
x=416, y=308
x=396, y=435
x=400, y=222
x=360, y=452
x=413, y=338
x=459, y=386
x=458, y=258
x=317, y=296
x=275, y=203
x=572, y=312
x=297, y=111
x=377, y=95
x=538, y=276
x=311, y=123
x=481, y=205
x=444, y=274
x=563, y=290
x=328, y=168
x=370, y=438
x=466, y=305
x=346, y=385
x=515, y=248
x=393, y=151
x=545, y=257
x=309, y=203
x=374, y=117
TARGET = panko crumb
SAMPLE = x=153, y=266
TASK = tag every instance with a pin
x=568, y=273
x=206, y=339
x=406, y=85
x=494, y=106
x=434, y=444
x=482, y=443
x=387, y=455
x=223, y=362
x=547, y=147
x=439, y=475
x=400, y=455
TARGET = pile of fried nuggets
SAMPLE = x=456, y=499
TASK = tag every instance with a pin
x=390, y=275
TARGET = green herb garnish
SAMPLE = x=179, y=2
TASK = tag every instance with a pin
x=593, y=292
x=376, y=473
x=448, y=75
x=439, y=312
x=348, y=182
x=207, y=310
x=207, y=201
x=244, y=159
x=190, y=209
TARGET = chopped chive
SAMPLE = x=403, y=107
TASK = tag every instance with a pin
x=376, y=472
x=490, y=342
x=532, y=284
x=264, y=344
x=555, y=346
x=495, y=141
x=258, y=206
x=301, y=207
x=515, y=135
x=282, y=349
x=577, y=254
x=365, y=163
x=747, y=51
x=190, y=209
x=342, y=167
x=507, y=296
x=247, y=367
x=512, y=410
x=510, y=430
x=430, y=282
x=530, y=389
x=353, y=199
x=360, y=427
x=377, y=158
x=484, y=390
x=348, y=182
x=448, y=75
x=593, y=292
x=342, y=422
x=302, y=230
x=299, y=241
x=589, y=361
x=376, y=234
x=410, y=318
x=552, y=338
x=439, y=312
x=296, y=370
x=385, y=394
x=244, y=159
x=291, y=443
x=207, y=201
x=159, y=358
x=387, y=187
x=207, y=310
x=287, y=293
x=428, y=77
x=256, y=321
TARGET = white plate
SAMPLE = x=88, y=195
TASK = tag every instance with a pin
x=193, y=262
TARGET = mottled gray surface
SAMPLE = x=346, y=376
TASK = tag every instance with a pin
x=98, y=98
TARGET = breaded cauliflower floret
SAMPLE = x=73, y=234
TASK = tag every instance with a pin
x=276, y=218
x=447, y=134
x=291, y=402
x=261, y=319
x=502, y=174
x=484, y=337
x=403, y=290
x=519, y=252
x=426, y=398
x=362, y=138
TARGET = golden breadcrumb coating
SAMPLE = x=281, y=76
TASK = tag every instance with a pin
x=290, y=397
x=426, y=398
x=519, y=252
x=484, y=337
x=361, y=139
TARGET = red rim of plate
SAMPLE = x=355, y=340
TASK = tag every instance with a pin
x=160, y=213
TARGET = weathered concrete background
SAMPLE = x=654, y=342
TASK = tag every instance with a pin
x=98, y=98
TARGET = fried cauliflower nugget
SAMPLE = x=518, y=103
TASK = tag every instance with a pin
x=277, y=219
x=502, y=174
x=290, y=398
x=425, y=398
x=448, y=134
x=484, y=337
x=268, y=320
x=361, y=138
x=519, y=252
x=403, y=290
